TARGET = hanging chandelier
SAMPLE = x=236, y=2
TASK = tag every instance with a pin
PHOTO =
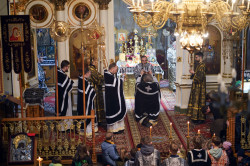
x=191, y=17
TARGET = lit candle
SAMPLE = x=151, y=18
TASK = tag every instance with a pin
x=214, y=135
x=199, y=132
x=150, y=130
x=40, y=160
x=170, y=130
x=188, y=127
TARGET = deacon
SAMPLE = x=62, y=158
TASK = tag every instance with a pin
x=90, y=95
x=114, y=100
x=147, y=99
x=65, y=85
x=197, y=98
x=143, y=66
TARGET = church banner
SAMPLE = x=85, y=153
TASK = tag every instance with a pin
x=16, y=43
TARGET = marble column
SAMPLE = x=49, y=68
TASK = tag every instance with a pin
x=106, y=19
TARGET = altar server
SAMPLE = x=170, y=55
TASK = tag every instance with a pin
x=114, y=100
x=147, y=99
x=64, y=90
x=90, y=95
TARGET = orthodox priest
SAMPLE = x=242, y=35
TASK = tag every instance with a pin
x=143, y=66
x=89, y=99
x=197, y=98
x=65, y=85
x=97, y=81
x=114, y=100
x=147, y=99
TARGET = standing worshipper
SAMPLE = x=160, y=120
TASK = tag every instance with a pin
x=147, y=100
x=64, y=91
x=97, y=81
x=114, y=100
x=144, y=67
x=89, y=99
x=197, y=98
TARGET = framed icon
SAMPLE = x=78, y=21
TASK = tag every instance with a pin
x=81, y=11
x=38, y=13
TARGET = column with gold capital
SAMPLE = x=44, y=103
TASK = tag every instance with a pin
x=106, y=19
x=62, y=47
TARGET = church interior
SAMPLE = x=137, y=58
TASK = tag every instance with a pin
x=37, y=36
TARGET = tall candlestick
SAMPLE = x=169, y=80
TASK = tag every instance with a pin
x=40, y=160
x=150, y=130
x=170, y=130
x=188, y=127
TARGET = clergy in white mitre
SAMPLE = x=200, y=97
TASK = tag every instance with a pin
x=114, y=100
x=144, y=67
x=65, y=85
x=90, y=95
x=147, y=99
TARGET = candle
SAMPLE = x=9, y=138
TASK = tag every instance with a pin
x=199, y=132
x=214, y=135
x=188, y=128
x=40, y=160
x=170, y=130
x=242, y=2
x=152, y=4
x=142, y=3
x=138, y=2
x=233, y=1
x=248, y=4
x=133, y=2
x=150, y=130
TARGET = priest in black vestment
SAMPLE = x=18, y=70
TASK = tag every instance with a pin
x=90, y=95
x=114, y=100
x=147, y=99
x=65, y=85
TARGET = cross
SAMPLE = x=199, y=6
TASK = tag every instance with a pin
x=151, y=33
x=148, y=88
x=199, y=155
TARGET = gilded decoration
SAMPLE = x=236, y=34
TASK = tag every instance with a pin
x=59, y=4
x=38, y=13
x=81, y=11
x=103, y=4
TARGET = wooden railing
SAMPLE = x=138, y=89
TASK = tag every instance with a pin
x=52, y=137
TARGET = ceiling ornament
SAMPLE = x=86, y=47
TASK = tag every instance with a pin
x=191, y=17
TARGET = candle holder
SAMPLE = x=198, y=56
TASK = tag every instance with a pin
x=188, y=137
x=40, y=161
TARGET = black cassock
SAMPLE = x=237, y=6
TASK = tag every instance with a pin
x=147, y=100
x=114, y=98
x=89, y=98
x=65, y=85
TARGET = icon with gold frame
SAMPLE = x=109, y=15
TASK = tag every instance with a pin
x=38, y=13
x=81, y=11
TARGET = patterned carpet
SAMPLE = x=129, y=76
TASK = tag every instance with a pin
x=160, y=132
x=180, y=120
x=49, y=104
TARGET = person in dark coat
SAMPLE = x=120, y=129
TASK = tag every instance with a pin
x=109, y=151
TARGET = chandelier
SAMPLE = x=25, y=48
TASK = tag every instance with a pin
x=191, y=17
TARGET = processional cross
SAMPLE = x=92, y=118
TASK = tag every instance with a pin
x=150, y=33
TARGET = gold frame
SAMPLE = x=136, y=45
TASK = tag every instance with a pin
x=44, y=18
x=79, y=4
